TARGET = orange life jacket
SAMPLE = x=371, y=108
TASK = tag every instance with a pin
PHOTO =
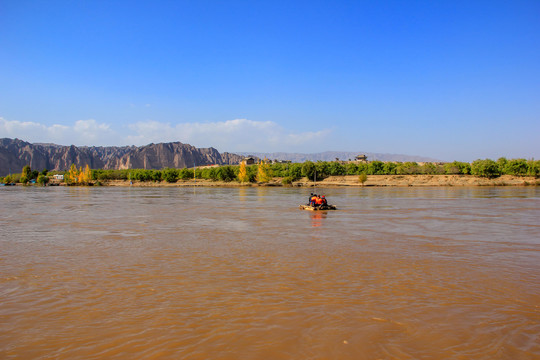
x=318, y=201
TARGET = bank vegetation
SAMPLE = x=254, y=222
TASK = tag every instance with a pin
x=288, y=173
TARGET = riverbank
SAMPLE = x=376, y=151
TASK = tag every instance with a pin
x=353, y=180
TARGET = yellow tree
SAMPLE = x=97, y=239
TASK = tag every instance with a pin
x=242, y=174
x=73, y=174
x=263, y=173
x=87, y=174
x=80, y=176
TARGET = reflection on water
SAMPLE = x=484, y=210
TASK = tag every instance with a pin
x=317, y=218
x=227, y=273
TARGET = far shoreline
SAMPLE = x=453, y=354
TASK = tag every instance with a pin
x=342, y=181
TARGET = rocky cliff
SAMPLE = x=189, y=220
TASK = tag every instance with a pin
x=15, y=154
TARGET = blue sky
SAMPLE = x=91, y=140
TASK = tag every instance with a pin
x=453, y=80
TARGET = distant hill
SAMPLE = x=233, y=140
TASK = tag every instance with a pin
x=341, y=155
x=15, y=154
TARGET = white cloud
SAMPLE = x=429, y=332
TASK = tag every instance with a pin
x=230, y=135
x=82, y=132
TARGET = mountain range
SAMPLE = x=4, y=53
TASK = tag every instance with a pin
x=341, y=155
x=15, y=154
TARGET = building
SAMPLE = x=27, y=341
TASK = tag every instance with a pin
x=361, y=158
x=249, y=160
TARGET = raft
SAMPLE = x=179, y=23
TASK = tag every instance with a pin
x=317, y=208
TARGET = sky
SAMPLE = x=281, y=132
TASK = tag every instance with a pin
x=451, y=80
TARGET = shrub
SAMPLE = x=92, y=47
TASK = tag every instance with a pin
x=533, y=167
x=375, y=168
x=225, y=173
x=308, y=169
x=295, y=171
x=336, y=169
x=362, y=178
x=170, y=175
x=390, y=168
x=287, y=180
x=185, y=174
x=516, y=167
x=485, y=168
x=352, y=169
x=42, y=179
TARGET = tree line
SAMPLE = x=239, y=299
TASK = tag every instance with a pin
x=288, y=172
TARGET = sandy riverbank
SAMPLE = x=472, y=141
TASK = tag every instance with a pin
x=352, y=180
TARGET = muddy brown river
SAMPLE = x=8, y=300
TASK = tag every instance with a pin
x=242, y=273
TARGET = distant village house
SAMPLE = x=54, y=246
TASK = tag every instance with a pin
x=361, y=158
x=249, y=160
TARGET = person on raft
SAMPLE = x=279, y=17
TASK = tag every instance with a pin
x=317, y=200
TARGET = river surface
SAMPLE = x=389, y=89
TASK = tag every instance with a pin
x=242, y=273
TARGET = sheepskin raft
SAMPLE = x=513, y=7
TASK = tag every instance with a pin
x=317, y=208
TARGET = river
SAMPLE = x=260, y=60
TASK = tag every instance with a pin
x=242, y=273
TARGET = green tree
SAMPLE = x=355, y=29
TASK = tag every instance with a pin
x=375, y=167
x=156, y=175
x=295, y=171
x=501, y=163
x=252, y=171
x=390, y=168
x=457, y=168
x=362, y=168
x=26, y=171
x=26, y=174
x=170, y=175
x=279, y=170
x=42, y=179
x=485, y=168
x=308, y=169
x=336, y=169
x=141, y=175
x=451, y=169
x=517, y=167
x=225, y=173
x=185, y=174
x=533, y=167
x=323, y=169
x=408, y=168
x=464, y=168
x=429, y=168
x=352, y=169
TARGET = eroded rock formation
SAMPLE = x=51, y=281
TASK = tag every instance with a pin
x=15, y=154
